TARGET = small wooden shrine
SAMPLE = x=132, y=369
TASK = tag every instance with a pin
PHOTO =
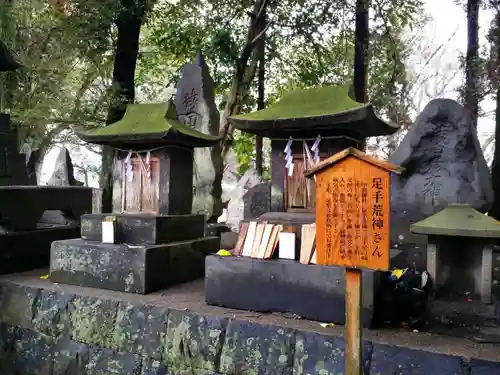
x=153, y=169
x=460, y=251
x=151, y=240
x=305, y=127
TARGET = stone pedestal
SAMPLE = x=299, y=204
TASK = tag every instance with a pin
x=150, y=253
x=129, y=268
x=144, y=229
x=310, y=291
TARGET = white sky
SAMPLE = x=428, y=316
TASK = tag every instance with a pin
x=449, y=18
x=449, y=21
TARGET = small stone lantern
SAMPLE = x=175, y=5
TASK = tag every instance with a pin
x=460, y=251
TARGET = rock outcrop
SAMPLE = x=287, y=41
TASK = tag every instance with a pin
x=444, y=164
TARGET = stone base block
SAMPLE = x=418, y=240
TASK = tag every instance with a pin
x=146, y=229
x=311, y=291
x=138, y=269
x=29, y=250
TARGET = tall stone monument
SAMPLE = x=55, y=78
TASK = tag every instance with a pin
x=195, y=105
x=444, y=165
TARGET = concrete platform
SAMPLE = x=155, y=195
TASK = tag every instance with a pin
x=48, y=328
x=125, y=268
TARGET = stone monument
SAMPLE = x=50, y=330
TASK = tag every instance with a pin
x=151, y=240
x=444, y=164
x=195, y=105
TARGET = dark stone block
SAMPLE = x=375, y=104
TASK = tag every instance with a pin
x=70, y=358
x=283, y=286
x=31, y=355
x=193, y=341
x=7, y=338
x=140, y=329
x=93, y=320
x=73, y=201
x=316, y=353
x=250, y=346
x=129, y=327
x=479, y=367
x=257, y=201
x=105, y=361
x=133, y=269
x=24, y=251
x=153, y=339
x=387, y=359
x=145, y=229
x=51, y=314
x=151, y=366
x=18, y=305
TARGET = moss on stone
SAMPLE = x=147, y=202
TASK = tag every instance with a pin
x=303, y=103
x=149, y=119
x=458, y=220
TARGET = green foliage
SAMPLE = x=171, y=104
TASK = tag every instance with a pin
x=68, y=54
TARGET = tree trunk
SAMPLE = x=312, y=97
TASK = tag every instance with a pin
x=471, y=102
x=128, y=24
x=261, y=52
x=246, y=66
x=362, y=35
x=495, y=168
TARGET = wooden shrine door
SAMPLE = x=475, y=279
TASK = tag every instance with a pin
x=300, y=192
x=141, y=192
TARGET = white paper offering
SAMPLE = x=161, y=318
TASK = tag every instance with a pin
x=108, y=232
x=286, y=245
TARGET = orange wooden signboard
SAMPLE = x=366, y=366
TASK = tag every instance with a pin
x=352, y=211
x=352, y=228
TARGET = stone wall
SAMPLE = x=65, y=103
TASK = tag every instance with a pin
x=51, y=332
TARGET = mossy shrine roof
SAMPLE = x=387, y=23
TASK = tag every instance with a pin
x=325, y=110
x=7, y=61
x=148, y=125
x=458, y=220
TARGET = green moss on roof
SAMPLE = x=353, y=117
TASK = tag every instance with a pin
x=458, y=220
x=303, y=103
x=149, y=119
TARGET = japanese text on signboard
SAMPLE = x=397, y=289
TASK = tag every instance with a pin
x=354, y=219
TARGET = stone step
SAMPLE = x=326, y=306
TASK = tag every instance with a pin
x=145, y=229
x=138, y=269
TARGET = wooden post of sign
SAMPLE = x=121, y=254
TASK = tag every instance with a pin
x=354, y=331
x=352, y=229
